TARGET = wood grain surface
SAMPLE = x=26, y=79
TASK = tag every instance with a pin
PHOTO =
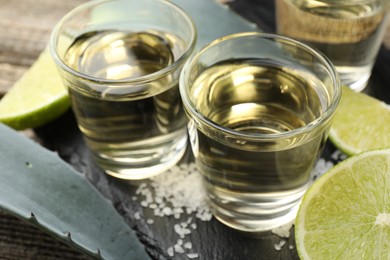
x=25, y=27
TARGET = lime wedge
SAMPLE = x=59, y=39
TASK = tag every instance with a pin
x=36, y=98
x=361, y=123
x=346, y=213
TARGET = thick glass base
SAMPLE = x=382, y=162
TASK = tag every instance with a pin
x=253, y=224
x=145, y=159
x=256, y=213
x=354, y=77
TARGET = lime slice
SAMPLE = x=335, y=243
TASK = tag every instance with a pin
x=346, y=213
x=361, y=123
x=36, y=98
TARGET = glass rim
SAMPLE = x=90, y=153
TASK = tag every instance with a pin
x=325, y=115
x=53, y=42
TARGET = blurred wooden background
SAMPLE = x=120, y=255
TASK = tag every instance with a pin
x=25, y=27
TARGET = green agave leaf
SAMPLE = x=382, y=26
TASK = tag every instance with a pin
x=214, y=20
x=37, y=186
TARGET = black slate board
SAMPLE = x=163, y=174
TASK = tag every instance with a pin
x=211, y=240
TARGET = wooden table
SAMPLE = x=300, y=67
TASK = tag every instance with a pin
x=25, y=27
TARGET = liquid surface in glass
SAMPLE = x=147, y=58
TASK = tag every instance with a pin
x=130, y=123
x=254, y=96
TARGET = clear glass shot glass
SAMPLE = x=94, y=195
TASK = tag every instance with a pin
x=350, y=33
x=259, y=108
x=121, y=61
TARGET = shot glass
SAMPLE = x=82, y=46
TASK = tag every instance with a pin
x=259, y=108
x=121, y=61
x=348, y=32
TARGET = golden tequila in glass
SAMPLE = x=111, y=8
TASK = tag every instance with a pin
x=348, y=32
x=259, y=108
x=122, y=72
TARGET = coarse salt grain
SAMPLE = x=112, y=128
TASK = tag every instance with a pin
x=170, y=251
x=178, y=249
x=192, y=255
x=279, y=246
x=321, y=167
x=167, y=211
x=284, y=230
x=175, y=193
x=338, y=155
x=180, y=191
x=188, y=245
x=153, y=206
x=181, y=231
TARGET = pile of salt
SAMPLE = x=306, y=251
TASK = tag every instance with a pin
x=180, y=191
